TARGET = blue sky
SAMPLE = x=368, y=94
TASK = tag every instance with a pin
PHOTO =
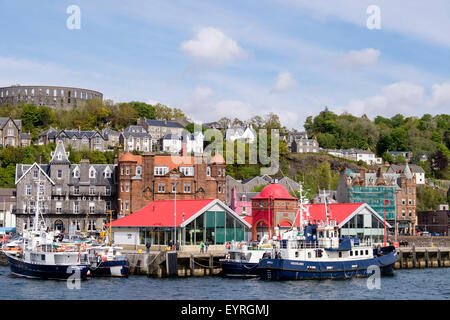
x=237, y=58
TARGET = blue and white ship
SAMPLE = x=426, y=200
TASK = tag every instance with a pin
x=317, y=252
x=38, y=255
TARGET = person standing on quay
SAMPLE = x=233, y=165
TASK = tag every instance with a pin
x=148, y=245
x=206, y=245
x=202, y=245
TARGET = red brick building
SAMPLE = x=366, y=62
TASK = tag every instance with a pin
x=273, y=206
x=149, y=177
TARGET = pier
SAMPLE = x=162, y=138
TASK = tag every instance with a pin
x=174, y=263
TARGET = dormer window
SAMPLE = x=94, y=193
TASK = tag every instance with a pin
x=76, y=173
x=59, y=156
x=107, y=173
x=138, y=170
x=91, y=173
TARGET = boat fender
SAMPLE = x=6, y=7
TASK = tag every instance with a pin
x=104, y=259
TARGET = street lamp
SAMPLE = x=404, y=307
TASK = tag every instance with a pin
x=175, y=177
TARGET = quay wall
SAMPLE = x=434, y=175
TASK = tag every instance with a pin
x=421, y=241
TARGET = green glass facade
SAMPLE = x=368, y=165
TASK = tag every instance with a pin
x=374, y=197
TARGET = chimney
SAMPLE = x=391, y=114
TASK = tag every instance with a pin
x=183, y=149
x=362, y=172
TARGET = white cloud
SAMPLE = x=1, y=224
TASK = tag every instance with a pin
x=212, y=46
x=284, y=81
x=361, y=58
x=400, y=97
x=440, y=95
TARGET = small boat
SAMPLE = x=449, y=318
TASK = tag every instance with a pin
x=108, y=261
x=242, y=259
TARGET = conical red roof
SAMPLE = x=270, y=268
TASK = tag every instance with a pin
x=274, y=191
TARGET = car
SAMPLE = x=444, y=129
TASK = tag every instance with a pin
x=436, y=234
x=426, y=234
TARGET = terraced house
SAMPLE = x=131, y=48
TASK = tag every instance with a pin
x=74, y=197
x=136, y=138
x=78, y=139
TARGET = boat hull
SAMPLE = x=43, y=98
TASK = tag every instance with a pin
x=40, y=271
x=111, y=269
x=283, y=269
x=238, y=269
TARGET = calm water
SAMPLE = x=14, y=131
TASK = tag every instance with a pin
x=405, y=284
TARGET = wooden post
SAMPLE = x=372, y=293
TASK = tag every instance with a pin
x=191, y=264
x=427, y=259
x=414, y=256
x=211, y=264
x=400, y=258
x=439, y=258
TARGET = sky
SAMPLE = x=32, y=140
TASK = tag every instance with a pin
x=237, y=59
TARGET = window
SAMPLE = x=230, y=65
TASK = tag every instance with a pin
x=92, y=173
x=127, y=171
x=160, y=171
x=187, y=187
x=161, y=187
x=58, y=190
x=59, y=174
x=35, y=173
x=121, y=187
x=174, y=187
x=187, y=171
x=91, y=191
x=403, y=201
x=85, y=140
x=356, y=252
x=126, y=205
x=127, y=186
x=108, y=205
x=108, y=190
x=76, y=189
x=244, y=209
x=76, y=173
x=76, y=208
x=91, y=207
x=58, y=207
x=10, y=131
x=107, y=173
x=220, y=172
x=208, y=171
x=28, y=190
x=361, y=252
x=121, y=171
x=41, y=189
x=220, y=188
x=367, y=252
x=138, y=170
x=351, y=253
x=59, y=156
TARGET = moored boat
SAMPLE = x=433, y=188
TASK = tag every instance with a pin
x=242, y=259
x=108, y=261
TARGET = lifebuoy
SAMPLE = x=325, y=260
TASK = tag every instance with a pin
x=227, y=245
x=239, y=245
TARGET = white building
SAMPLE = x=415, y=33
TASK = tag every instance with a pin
x=170, y=143
x=356, y=155
x=194, y=142
x=416, y=170
x=247, y=133
x=136, y=138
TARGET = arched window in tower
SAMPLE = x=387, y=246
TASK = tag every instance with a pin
x=208, y=171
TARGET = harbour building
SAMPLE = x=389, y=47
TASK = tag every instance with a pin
x=188, y=221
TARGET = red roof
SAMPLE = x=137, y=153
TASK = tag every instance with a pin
x=160, y=213
x=336, y=211
x=274, y=191
x=129, y=157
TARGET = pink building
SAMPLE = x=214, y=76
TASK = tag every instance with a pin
x=241, y=202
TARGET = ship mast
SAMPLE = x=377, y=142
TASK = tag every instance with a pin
x=326, y=210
